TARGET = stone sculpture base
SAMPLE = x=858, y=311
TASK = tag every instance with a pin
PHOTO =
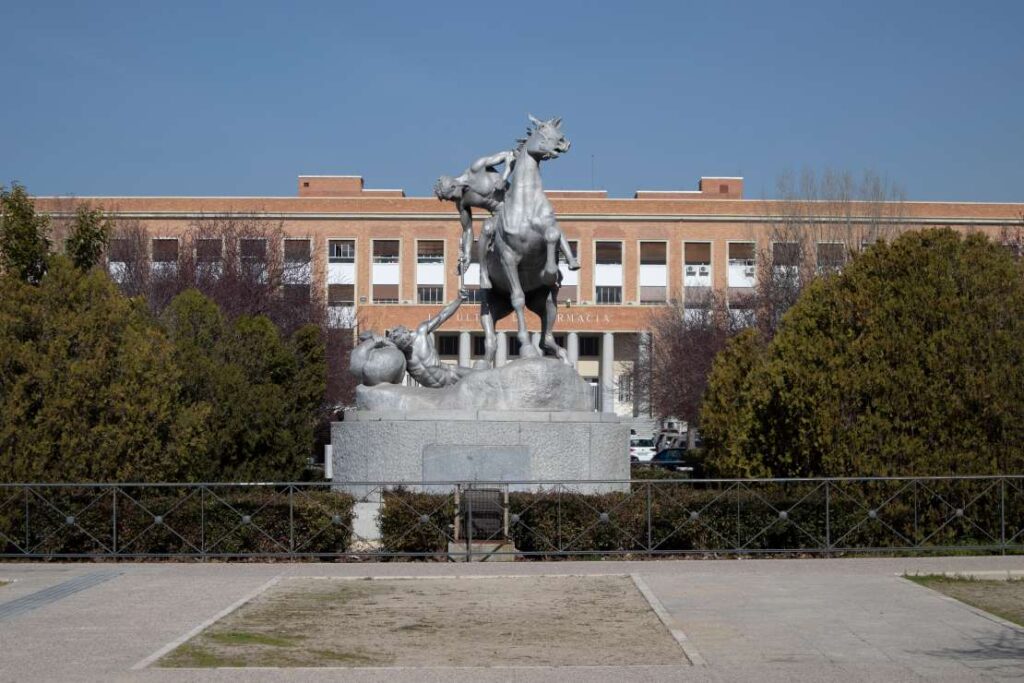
x=415, y=447
x=532, y=384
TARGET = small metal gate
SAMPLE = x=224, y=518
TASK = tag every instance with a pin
x=481, y=515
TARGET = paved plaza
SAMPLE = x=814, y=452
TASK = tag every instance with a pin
x=769, y=620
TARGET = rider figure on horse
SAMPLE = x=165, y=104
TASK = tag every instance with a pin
x=482, y=186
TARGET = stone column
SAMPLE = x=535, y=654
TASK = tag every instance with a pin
x=501, y=354
x=572, y=347
x=642, y=393
x=608, y=373
x=465, y=349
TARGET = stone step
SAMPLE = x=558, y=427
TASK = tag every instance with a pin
x=482, y=551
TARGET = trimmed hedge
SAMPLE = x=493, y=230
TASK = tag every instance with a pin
x=175, y=521
x=415, y=522
x=654, y=516
x=722, y=517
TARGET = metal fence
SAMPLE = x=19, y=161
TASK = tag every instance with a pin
x=639, y=517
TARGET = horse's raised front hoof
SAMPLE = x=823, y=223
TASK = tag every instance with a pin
x=529, y=351
x=574, y=265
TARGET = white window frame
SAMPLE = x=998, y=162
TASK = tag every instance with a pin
x=401, y=254
x=728, y=263
x=444, y=267
x=817, y=264
x=711, y=263
x=355, y=268
x=668, y=278
x=593, y=266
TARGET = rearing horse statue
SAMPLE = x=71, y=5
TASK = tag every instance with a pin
x=523, y=262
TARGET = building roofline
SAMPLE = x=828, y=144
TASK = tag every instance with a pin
x=667, y=192
x=574, y=217
x=51, y=197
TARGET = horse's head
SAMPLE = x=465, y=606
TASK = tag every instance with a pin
x=545, y=140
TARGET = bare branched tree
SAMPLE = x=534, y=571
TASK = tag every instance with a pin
x=128, y=257
x=244, y=263
x=1012, y=237
x=817, y=224
x=838, y=208
x=675, y=358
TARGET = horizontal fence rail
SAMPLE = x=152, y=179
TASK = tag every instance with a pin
x=640, y=517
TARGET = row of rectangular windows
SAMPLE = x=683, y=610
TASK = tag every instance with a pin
x=697, y=258
x=298, y=250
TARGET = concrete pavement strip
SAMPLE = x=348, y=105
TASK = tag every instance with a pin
x=181, y=640
x=786, y=620
x=670, y=623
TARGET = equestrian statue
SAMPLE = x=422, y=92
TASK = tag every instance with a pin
x=518, y=252
x=523, y=259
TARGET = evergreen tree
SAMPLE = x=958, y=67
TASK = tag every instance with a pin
x=727, y=411
x=92, y=388
x=263, y=393
x=89, y=390
x=88, y=237
x=24, y=244
x=909, y=362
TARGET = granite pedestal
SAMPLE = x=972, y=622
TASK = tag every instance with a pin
x=420, y=447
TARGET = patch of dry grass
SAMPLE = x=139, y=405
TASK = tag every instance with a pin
x=1004, y=599
x=563, y=620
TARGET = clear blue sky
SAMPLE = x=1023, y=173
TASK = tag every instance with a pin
x=211, y=98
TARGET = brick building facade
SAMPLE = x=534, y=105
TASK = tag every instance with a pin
x=382, y=259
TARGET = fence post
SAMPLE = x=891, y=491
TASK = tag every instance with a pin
x=291, y=519
x=828, y=518
x=28, y=533
x=113, y=530
x=738, y=538
x=650, y=550
x=504, y=516
x=917, y=534
x=202, y=522
x=1002, y=513
x=469, y=528
x=558, y=524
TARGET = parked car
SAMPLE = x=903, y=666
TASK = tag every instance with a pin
x=641, y=450
x=672, y=459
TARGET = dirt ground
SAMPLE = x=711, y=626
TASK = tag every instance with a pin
x=1002, y=598
x=545, y=620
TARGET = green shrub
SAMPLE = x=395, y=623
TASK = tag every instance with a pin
x=721, y=517
x=171, y=520
x=415, y=522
